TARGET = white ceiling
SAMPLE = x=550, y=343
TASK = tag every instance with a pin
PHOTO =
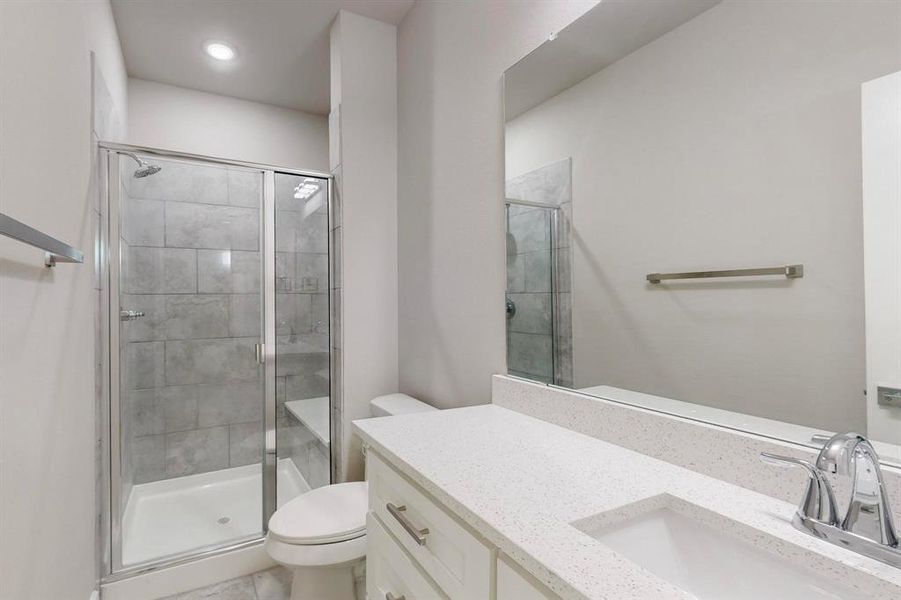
x=597, y=39
x=282, y=45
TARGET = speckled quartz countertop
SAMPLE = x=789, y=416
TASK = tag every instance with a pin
x=520, y=482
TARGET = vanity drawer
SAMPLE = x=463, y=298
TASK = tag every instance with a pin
x=459, y=563
x=390, y=572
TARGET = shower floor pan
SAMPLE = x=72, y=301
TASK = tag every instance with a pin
x=175, y=516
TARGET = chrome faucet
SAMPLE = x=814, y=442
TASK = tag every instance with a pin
x=867, y=526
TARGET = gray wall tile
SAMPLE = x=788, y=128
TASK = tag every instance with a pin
x=145, y=412
x=178, y=316
x=293, y=313
x=550, y=184
x=287, y=230
x=320, y=313
x=530, y=353
x=183, y=182
x=196, y=451
x=143, y=222
x=144, y=364
x=529, y=239
x=245, y=188
x=516, y=276
x=295, y=354
x=226, y=404
x=228, y=271
x=196, y=316
x=162, y=410
x=537, y=271
x=245, y=443
x=312, y=272
x=190, y=225
x=531, y=230
x=210, y=361
x=284, y=193
x=148, y=458
x=179, y=407
x=150, y=326
x=160, y=271
x=285, y=272
x=313, y=234
x=312, y=461
x=244, y=315
x=195, y=352
x=314, y=384
x=533, y=313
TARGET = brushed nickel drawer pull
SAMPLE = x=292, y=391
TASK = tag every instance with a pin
x=417, y=534
x=390, y=596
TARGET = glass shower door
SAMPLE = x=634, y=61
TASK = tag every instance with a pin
x=301, y=333
x=186, y=256
x=530, y=298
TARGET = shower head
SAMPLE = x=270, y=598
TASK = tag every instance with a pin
x=144, y=168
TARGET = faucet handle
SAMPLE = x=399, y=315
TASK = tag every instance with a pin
x=818, y=501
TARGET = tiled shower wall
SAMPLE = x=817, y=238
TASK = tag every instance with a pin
x=539, y=335
x=192, y=389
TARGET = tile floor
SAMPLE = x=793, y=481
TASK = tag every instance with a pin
x=274, y=584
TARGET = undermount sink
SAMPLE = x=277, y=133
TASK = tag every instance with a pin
x=708, y=564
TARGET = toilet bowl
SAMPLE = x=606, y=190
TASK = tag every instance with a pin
x=321, y=534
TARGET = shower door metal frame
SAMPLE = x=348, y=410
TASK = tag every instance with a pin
x=108, y=265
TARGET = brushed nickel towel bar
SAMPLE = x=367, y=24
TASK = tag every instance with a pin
x=789, y=271
x=55, y=250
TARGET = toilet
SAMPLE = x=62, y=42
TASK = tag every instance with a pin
x=321, y=534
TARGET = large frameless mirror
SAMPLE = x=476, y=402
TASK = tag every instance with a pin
x=702, y=213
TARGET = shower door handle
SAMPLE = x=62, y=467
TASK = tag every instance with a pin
x=130, y=315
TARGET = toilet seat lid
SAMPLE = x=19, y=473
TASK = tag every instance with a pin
x=326, y=515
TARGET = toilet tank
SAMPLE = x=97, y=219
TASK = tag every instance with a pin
x=397, y=404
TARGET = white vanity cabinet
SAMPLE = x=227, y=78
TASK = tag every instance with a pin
x=418, y=549
x=515, y=584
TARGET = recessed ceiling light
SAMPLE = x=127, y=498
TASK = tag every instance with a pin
x=219, y=50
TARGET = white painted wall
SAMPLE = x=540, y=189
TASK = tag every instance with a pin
x=451, y=57
x=881, y=111
x=364, y=157
x=47, y=339
x=176, y=118
x=732, y=141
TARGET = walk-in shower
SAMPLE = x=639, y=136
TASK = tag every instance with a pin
x=215, y=296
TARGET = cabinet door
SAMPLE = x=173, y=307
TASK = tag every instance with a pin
x=446, y=551
x=515, y=584
x=390, y=573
